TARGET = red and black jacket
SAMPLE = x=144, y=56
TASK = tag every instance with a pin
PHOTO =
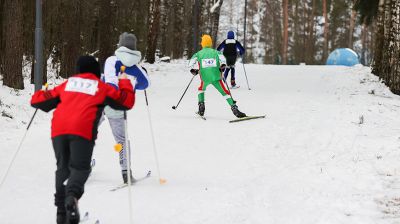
x=79, y=104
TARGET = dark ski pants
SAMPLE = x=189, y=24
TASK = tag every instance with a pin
x=73, y=154
x=226, y=73
x=230, y=61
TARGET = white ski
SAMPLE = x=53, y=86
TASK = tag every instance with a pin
x=133, y=182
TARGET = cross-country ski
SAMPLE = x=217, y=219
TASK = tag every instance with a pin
x=246, y=118
x=134, y=181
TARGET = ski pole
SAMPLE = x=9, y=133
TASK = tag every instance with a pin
x=19, y=145
x=161, y=180
x=128, y=155
x=245, y=74
x=174, y=107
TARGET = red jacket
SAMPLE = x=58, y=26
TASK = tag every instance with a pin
x=79, y=104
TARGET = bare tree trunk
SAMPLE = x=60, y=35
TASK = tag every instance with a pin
x=311, y=38
x=2, y=17
x=363, y=44
x=179, y=30
x=215, y=22
x=379, y=41
x=106, y=48
x=326, y=30
x=153, y=23
x=351, y=28
x=387, y=44
x=285, y=31
x=71, y=38
x=13, y=49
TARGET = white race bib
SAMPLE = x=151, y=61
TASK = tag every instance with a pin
x=209, y=63
x=81, y=85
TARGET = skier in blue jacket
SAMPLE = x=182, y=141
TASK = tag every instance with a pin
x=127, y=58
x=230, y=48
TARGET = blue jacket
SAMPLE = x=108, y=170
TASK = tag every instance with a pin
x=230, y=46
x=129, y=59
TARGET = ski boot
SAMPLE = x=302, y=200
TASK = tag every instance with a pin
x=61, y=215
x=72, y=211
x=233, y=84
x=237, y=112
x=202, y=108
x=125, y=177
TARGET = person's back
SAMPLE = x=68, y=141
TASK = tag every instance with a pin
x=127, y=57
x=209, y=63
x=79, y=102
x=230, y=48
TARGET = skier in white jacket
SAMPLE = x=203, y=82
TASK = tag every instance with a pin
x=126, y=57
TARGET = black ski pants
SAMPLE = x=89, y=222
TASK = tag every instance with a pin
x=73, y=154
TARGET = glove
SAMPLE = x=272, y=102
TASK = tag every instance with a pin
x=194, y=71
x=122, y=76
x=222, y=68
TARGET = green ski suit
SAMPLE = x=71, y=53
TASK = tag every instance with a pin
x=208, y=61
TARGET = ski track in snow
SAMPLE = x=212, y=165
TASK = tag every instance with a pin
x=309, y=161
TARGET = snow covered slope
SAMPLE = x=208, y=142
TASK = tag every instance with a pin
x=327, y=152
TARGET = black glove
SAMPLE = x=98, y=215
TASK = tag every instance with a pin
x=222, y=68
x=194, y=71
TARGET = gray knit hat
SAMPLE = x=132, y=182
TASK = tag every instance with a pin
x=127, y=40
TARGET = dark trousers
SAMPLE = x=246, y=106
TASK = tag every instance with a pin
x=230, y=61
x=226, y=73
x=73, y=154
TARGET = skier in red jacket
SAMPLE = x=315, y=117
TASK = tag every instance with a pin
x=79, y=103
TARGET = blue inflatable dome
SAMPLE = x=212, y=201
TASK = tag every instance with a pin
x=343, y=56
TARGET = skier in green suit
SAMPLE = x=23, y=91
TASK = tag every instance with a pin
x=210, y=64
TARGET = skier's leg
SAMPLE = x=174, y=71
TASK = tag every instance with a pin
x=118, y=130
x=81, y=151
x=233, y=83
x=117, y=124
x=226, y=72
x=219, y=85
x=80, y=157
x=200, y=96
x=61, y=151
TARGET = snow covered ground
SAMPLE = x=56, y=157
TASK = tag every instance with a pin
x=327, y=152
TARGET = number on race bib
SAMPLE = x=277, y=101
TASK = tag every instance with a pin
x=81, y=85
x=209, y=63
